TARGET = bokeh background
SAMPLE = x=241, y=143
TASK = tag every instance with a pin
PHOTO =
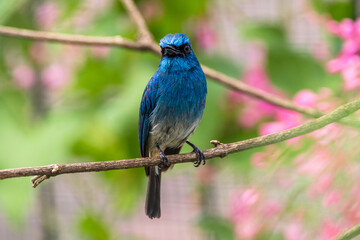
x=66, y=103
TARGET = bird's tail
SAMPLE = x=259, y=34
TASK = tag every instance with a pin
x=152, y=205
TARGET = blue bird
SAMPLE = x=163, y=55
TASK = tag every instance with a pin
x=172, y=105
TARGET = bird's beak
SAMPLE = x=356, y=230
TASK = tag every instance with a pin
x=172, y=51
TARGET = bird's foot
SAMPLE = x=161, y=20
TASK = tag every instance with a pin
x=200, y=157
x=164, y=161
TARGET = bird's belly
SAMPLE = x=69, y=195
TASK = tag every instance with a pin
x=172, y=134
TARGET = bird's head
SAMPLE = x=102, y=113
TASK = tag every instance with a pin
x=175, y=45
x=176, y=51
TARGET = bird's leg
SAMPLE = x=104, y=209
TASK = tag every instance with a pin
x=164, y=161
x=200, y=157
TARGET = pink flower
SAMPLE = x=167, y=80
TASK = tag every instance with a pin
x=241, y=203
x=258, y=159
x=329, y=230
x=266, y=108
x=293, y=231
x=271, y=127
x=285, y=119
x=332, y=199
x=47, y=14
x=357, y=27
x=272, y=209
x=327, y=134
x=351, y=76
x=351, y=212
x=254, y=110
x=350, y=47
x=257, y=77
x=333, y=27
x=348, y=62
x=322, y=184
x=55, y=76
x=290, y=118
x=335, y=65
x=247, y=229
x=23, y=76
x=306, y=98
x=314, y=164
x=250, y=196
x=206, y=37
x=249, y=118
x=346, y=28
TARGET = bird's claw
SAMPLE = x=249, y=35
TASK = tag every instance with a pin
x=200, y=157
x=164, y=161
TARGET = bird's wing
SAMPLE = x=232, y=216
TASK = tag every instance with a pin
x=148, y=104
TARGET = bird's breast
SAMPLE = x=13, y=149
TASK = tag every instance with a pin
x=178, y=111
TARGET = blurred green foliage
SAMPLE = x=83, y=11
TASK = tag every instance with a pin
x=289, y=69
x=337, y=9
x=217, y=228
x=97, y=118
x=92, y=227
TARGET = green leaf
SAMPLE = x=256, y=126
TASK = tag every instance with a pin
x=97, y=76
x=288, y=69
x=93, y=227
x=272, y=35
x=337, y=9
x=7, y=8
x=222, y=64
x=217, y=228
x=341, y=9
x=22, y=144
x=292, y=71
x=173, y=15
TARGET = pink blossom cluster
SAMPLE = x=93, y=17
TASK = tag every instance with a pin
x=324, y=178
x=348, y=60
x=248, y=209
x=324, y=162
x=55, y=71
x=255, y=112
x=269, y=118
x=205, y=36
x=53, y=76
x=318, y=164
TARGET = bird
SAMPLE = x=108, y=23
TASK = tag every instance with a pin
x=171, y=108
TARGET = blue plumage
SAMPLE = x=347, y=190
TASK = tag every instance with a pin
x=171, y=108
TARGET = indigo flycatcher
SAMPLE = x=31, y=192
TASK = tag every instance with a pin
x=171, y=107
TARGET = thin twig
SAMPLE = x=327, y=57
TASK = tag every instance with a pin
x=218, y=151
x=39, y=179
x=139, y=20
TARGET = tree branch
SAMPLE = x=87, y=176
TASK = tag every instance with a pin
x=234, y=84
x=221, y=150
x=146, y=43
x=349, y=234
x=116, y=41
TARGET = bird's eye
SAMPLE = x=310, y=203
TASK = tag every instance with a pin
x=187, y=49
